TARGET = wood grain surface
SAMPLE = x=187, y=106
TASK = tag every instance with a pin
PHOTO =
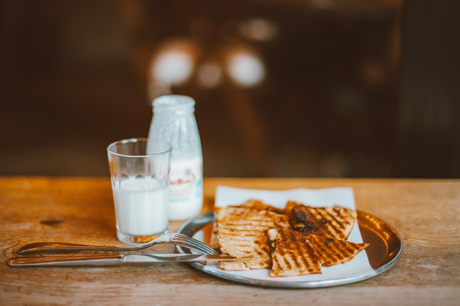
x=425, y=213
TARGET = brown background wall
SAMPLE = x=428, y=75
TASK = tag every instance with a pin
x=73, y=77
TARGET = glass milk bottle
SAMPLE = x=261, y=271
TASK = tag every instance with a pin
x=174, y=121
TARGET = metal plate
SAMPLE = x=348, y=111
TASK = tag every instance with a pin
x=385, y=249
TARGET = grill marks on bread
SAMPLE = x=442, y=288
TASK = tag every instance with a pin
x=292, y=254
x=242, y=233
x=335, y=222
x=332, y=251
x=298, y=242
x=259, y=205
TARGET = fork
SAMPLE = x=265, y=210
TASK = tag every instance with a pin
x=171, y=238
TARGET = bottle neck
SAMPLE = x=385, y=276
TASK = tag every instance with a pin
x=174, y=111
x=174, y=104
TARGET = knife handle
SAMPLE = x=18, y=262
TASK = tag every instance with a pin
x=63, y=261
x=40, y=247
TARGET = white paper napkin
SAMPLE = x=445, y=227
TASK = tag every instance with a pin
x=359, y=267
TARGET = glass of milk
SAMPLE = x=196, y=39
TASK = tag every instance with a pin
x=140, y=184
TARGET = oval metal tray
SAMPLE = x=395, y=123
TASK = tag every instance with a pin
x=383, y=252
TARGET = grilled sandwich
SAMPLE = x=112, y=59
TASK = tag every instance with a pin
x=323, y=229
x=332, y=251
x=295, y=241
x=292, y=254
x=331, y=221
x=242, y=233
x=259, y=205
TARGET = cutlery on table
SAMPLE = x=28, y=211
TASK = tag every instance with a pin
x=111, y=260
x=171, y=238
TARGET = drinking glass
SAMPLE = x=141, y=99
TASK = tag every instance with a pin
x=140, y=184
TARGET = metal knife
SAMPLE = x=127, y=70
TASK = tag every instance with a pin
x=111, y=260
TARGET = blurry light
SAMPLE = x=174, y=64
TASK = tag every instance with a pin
x=259, y=29
x=246, y=69
x=173, y=67
x=173, y=62
x=209, y=75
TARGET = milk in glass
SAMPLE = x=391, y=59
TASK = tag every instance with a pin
x=141, y=206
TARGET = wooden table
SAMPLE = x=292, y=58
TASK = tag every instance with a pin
x=425, y=213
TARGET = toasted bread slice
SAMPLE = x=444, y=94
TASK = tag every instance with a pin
x=259, y=205
x=298, y=242
x=241, y=232
x=332, y=251
x=331, y=221
x=292, y=253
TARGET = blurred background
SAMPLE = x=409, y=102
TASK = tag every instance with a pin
x=284, y=88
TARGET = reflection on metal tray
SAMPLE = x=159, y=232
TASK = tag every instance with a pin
x=385, y=249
